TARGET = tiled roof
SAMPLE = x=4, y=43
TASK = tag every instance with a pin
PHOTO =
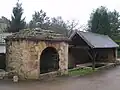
x=96, y=40
x=37, y=34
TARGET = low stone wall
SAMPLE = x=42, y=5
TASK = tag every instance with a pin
x=3, y=74
x=49, y=75
x=52, y=75
x=106, y=66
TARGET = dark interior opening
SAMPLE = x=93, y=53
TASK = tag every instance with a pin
x=49, y=60
x=78, y=52
x=2, y=61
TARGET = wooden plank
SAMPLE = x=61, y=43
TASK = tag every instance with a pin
x=94, y=57
x=81, y=47
x=89, y=54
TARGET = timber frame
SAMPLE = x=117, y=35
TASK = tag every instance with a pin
x=90, y=49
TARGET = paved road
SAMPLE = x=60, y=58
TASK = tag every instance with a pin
x=103, y=80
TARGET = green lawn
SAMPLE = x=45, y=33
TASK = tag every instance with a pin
x=81, y=72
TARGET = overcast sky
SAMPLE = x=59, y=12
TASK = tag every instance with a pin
x=68, y=9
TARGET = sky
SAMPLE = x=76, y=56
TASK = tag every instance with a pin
x=78, y=10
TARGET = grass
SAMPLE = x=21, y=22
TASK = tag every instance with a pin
x=81, y=71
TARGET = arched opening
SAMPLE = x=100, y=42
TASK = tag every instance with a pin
x=49, y=60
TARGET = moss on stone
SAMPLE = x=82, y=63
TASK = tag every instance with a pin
x=37, y=34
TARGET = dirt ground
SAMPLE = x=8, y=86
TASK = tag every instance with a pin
x=102, y=80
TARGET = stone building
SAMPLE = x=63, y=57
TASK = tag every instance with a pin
x=30, y=53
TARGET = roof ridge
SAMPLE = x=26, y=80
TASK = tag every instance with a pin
x=94, y=33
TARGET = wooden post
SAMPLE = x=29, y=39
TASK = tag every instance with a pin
x=94, y=57
x=93, y=62
x=115, y=54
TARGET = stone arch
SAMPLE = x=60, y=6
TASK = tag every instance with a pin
x=49, y=60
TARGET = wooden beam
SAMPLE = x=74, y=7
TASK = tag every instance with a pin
x=81, y=47
x=89, y=54
x=115, y=52
x=94, y=57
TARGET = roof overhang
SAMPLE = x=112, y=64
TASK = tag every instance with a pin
x=89, y=43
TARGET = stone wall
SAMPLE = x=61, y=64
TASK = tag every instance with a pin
x=23, y=57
